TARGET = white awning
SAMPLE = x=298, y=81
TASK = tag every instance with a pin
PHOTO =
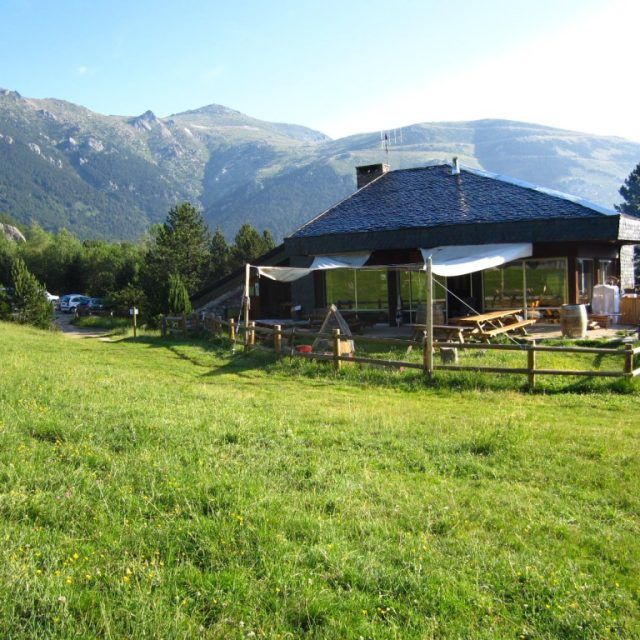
x=457, y=260
x=345, y=261
x=454, y=260
x=289, y=274
x=283, y=274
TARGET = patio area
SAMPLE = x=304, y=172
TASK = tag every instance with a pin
x=536, y=331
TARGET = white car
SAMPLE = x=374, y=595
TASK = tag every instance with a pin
x=69, y=302
x=54, y=300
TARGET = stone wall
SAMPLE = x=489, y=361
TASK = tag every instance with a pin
x=627, y=267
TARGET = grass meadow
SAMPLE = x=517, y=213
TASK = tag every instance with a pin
x=168, y=489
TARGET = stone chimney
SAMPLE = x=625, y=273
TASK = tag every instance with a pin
x=370, y=172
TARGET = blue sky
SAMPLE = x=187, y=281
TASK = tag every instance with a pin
x=338, y=66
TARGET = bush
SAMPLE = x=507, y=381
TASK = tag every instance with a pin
x=5, y=304
x=31, y=304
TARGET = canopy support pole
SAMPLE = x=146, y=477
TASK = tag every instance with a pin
x=246, y=303
x=428, y=356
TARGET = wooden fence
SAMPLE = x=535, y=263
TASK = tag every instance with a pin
x=283, y=342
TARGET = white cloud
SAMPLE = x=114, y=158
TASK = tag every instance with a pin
x=83, y=70
x=578, y=77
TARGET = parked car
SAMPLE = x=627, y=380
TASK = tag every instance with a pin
x=69, y=302
x=53, y=299
x=93, y=307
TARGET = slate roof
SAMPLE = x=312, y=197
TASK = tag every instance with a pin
x=431, y=197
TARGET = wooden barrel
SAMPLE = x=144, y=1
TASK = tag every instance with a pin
x=573, y=320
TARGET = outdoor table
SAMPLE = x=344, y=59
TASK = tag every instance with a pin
x=489, y=325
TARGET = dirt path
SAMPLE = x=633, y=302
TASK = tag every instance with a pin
x=63, y=320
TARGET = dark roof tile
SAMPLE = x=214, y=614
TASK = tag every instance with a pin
x=433, y=197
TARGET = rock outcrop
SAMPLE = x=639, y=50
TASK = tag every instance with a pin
x=11, y=233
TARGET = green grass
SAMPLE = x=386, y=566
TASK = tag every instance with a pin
x=170, y=489
x=478, y=356
x=102, y=322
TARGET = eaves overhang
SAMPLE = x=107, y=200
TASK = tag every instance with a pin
x=596, y=228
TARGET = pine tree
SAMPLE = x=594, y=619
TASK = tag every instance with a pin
x=220, y=255
x=181, y=247
x=30, y=302
x=630, y=191
x=249, y=245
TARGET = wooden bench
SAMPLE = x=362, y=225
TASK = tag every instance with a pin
x=520, y=326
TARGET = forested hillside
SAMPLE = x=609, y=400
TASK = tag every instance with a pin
x=111, y=177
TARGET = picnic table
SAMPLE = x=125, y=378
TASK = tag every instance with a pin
x=450, y=332
x=488, y=325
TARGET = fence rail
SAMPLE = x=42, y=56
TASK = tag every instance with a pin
x=283, y=342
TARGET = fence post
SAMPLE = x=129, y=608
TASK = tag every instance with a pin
x=336, y=349
x=531, y=363
x=277, y=339
x=250, y=337
x=164, y=327
x=628, y=359
x=427, y=355
x=232, y=330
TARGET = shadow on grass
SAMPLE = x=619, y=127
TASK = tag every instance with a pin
x=221, y=356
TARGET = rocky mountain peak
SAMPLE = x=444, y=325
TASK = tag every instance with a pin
x=211, y=110
x=144, y=122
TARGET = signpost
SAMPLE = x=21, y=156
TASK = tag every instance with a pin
x=133, y=312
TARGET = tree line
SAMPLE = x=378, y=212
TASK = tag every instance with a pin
x=159, y=274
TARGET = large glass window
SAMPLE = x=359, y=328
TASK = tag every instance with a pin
x=605, y=271
x=413, y=293
x=544, y=280
x=358, y=290
x=372, y=291
x=585, y=280
x=503, y=287
x=341, y=288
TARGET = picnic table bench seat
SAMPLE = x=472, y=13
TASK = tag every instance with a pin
x=520, y=326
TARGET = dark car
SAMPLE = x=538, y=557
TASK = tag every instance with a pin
x=93, y=307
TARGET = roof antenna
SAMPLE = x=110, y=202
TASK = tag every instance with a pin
x=455, y=167
x=384, y=142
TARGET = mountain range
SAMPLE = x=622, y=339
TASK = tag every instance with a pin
x=64, y=166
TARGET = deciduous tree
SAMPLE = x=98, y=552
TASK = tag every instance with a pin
x=179, y=301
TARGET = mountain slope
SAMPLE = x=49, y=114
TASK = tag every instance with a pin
x=62, y=165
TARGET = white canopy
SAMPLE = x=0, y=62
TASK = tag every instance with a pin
x=283, y=274
x=346, y=261
x=449, y=261
x=289, y=274
x=457, y=260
